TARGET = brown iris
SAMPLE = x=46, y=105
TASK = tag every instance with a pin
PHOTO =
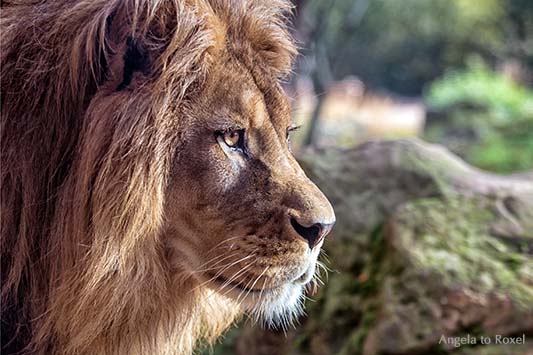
x=232, y=138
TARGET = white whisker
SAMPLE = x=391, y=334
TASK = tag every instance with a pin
x=252, y=286
x=237, y=274
x=223, y=268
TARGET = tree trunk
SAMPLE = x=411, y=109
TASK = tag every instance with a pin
x=310, y=137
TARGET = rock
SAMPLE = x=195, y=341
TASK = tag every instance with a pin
x=444, y=274
x=425, y=247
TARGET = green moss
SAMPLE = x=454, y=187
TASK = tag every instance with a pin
x=354, y=342
x=367, y=287
x=452, y=239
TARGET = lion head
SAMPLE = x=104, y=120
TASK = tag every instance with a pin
x=149, y=194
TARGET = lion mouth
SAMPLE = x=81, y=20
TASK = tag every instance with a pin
x=222, y=281
x=219, y=279
x=305, y=278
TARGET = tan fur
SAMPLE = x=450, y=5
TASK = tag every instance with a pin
x=91, y=258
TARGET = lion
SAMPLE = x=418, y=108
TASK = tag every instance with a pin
x=149, y=197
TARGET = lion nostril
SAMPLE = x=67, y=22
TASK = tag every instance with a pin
x=313, y=234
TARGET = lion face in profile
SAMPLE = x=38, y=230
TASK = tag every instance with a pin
x=149, y=194
x=241, y=214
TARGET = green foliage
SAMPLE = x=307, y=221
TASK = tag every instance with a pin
x=402, y=45
x=505, y=100
x=486, y=118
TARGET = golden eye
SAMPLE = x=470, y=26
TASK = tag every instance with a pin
x=232, y=138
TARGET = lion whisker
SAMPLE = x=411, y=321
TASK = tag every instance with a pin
x=251, y=287
x=255, y=316
x=324, y=255
x=215, y=265
x=223, y=268
x=237, y=274
x=220, y=256
x=224, y=241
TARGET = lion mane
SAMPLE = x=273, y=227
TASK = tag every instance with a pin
x=85, y=162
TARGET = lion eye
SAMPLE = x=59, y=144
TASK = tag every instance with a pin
x=233, y=138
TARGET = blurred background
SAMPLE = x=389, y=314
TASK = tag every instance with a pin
x=417, y=123
x=454, y=72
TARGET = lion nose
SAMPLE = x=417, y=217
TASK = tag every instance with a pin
x=313, y=234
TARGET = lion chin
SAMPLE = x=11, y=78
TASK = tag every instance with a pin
x=273, y=307
x=277, y=307
x=280, y=307
x=149, y=196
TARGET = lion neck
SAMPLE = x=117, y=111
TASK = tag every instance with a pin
x=196, y=316
x=202, y=314
x=188, y=315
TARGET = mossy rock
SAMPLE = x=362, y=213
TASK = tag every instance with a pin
x=445, y=274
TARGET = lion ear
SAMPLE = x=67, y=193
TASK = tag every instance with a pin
x=129, y=63
x=124, y=55
x=134, y=60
